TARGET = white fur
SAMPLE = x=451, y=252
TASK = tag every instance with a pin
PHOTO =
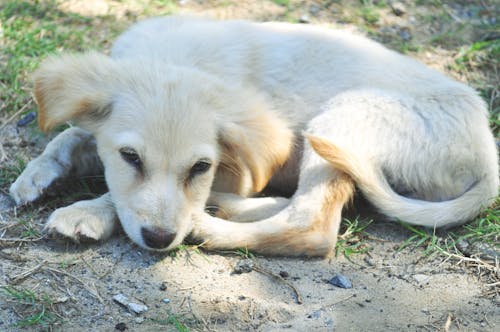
x=241, y=95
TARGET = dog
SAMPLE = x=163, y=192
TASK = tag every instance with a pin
x=189, y=112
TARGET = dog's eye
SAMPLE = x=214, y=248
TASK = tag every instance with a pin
x=199, y=168
x=131, y=157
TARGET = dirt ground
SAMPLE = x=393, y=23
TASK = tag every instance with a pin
x=392, y=289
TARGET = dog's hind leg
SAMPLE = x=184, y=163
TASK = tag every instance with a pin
x=243, y=209
x=71, y=152
x=308, y=225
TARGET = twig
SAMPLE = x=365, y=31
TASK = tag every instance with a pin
x=20, y=277
x=93, y=292
x=279, y=278
x=18, y=239
x=339, y=301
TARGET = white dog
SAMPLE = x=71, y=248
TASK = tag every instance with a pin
x=191, y=112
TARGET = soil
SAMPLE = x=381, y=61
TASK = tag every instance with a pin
x=392, y=289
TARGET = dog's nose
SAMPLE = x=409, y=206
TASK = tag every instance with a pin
x=157, y=238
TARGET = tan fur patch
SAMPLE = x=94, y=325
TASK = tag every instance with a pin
x=260, y=144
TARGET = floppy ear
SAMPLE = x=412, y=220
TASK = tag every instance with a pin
x=255, y=144
x=73, y=87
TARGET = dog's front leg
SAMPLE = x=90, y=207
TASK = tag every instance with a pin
x=93, y=219
x=308, y=225
x=72, y=152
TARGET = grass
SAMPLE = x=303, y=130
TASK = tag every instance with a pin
x=174, y=320
x=485, y=230
x=36, y=310
x=351, y=239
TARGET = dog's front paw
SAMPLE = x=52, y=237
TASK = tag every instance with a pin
x=83, y=220
x=39, y=175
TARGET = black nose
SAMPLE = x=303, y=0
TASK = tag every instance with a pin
x=157, y=238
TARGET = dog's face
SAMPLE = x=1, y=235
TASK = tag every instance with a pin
x=166, y=136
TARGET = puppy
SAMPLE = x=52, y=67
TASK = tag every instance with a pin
x=190, y=112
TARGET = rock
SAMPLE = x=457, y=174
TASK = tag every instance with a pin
x=139, y=320
x=284, y=274
x=398, y=8
x=340, y=281
x=244, y=266
x=27, y=119
x=304, y=19
x=121, y=327
x=166, y=301
x=369, y=261
x=121, y=299
x=134, y=307
x=137, y=308
x=404, y=33
x=163, y=286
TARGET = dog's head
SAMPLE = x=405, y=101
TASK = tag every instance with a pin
x=167, y=136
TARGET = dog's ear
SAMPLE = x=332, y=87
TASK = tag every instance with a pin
x=73, y=87
x=254, y=144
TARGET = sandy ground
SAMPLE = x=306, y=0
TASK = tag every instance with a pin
x=392, y=290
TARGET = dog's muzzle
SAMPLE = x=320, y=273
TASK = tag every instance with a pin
x=157, y=238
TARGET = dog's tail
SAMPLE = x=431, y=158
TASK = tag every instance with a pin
x=414, y=211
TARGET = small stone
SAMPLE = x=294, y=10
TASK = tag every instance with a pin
x=369, y=261
x=244, y=266
x=121, y=327
x=163, y=286
x=398, y=8
x=27, y=119
x=340, y=281
x=284, y=274
x=425, y=311
x=166, y=301
x=137, y=308
x=121, y=299
x=304, y=19
x=139, y=320
x=405, y=34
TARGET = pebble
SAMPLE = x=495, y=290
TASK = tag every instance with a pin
x=166, y=301
x=27, y=119
x=139, y=320
x=398, y=8
x=244, y=266
x=405, y=34
x=163, y=286
x=284, y=274
x=304, y=19
x=340, y=281
x=134, y=307
x=121, y=299
x=121, y=326
x=137, y=308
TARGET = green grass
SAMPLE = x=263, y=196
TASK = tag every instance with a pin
x=485, y=229
x=31, y=31
x=36, y=311
x=351, y=238
x=10, y=171
x=282, y=2
x=174, y=320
